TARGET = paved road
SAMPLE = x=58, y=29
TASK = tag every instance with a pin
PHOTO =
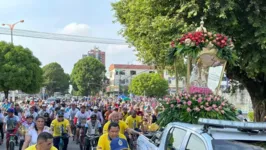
x=71, y=146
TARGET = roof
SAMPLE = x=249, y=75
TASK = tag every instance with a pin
x=224, y=133
x=125, y=66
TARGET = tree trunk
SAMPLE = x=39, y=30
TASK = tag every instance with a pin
x=258, y=99
x=6, y=94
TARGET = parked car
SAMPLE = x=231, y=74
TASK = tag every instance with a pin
x=211, y=134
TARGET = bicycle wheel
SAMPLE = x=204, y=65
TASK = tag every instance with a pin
x=11, y=145
x=61, y=144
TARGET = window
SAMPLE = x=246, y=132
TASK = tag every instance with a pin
x=122, y=81
x=195, y=143
x=133, y=72
x=175, y=138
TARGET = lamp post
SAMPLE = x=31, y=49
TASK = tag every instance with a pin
x=11, y=26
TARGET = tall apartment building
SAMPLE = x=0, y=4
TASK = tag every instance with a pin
x=96, y=53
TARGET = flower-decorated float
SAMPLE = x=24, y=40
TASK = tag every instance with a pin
x=201, y=50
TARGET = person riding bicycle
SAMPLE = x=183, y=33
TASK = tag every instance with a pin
x=24, y=128
x=11, y=125
x=80, y=119
x=47, y=119
x=93, y=127
x=98, y=114
x=56, y=126
x=134, y=121
x=122, y=125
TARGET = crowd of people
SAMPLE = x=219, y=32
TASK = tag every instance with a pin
x=116, y=122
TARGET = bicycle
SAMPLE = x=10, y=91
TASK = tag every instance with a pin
x=93, y=140
x=81, y=138
x=73, y=129
x=12, y=142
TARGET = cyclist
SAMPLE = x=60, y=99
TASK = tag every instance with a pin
x=93, y=127
x=32, y=112
x=122, y=125
x=57, y=126
x=23, y=129
x=98, y=114
x=11, y=125
x=134, y=121
x=72, y=112
x=47, y=119
x=44, y=110
x=1, y=126
x=125, y=113
x=112, y=133
x=80, y=119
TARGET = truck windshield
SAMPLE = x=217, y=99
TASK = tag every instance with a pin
x=238, y=145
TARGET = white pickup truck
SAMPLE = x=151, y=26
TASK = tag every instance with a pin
x=211, y=134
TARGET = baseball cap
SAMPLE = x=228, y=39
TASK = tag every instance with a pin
x=118, y=144
x=10, y=110
x=95, y=107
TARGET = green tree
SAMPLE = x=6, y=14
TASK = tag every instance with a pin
x=149, y=27
x=149, y=85
x=19, y=69
x=55, y=79
x=87, y=76
x=242, y=20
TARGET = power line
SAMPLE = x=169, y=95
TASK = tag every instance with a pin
x=61, y=37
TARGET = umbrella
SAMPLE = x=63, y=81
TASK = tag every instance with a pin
x=121, y=96
x=126, y=99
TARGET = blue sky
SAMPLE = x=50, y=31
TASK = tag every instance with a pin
x=91, y=18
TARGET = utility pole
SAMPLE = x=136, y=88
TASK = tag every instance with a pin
x=11, y=26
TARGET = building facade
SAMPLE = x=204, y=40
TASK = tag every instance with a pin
x=96, y=53
x=120, y=75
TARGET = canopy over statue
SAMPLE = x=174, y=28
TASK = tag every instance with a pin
x=203, y=50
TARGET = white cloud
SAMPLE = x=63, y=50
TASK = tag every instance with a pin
x=76, y=29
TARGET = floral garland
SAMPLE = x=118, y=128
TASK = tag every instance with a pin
x=193, y=42
x=190, y=107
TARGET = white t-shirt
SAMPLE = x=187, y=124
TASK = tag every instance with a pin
x=34, y=135
x=82, y=117
x=1, y=118
x=73, y=113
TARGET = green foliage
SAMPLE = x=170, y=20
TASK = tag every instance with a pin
x=149, y=25
x=19, y=69
x=87, y=76
x=149, y=85
x=189, y=108
x=55, y=79
x=251, y=116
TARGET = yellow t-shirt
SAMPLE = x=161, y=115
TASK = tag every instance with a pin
x=122, y=125
x=104, y=141
x=133, y=122
x=124, y=116
x=33, y=147
x=57, y=126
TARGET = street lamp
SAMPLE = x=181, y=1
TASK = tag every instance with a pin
x=11, y=26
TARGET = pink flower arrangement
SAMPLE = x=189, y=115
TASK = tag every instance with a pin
x=199, y=106
x=199, y=100
x=201, y=90
x=189, y=103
